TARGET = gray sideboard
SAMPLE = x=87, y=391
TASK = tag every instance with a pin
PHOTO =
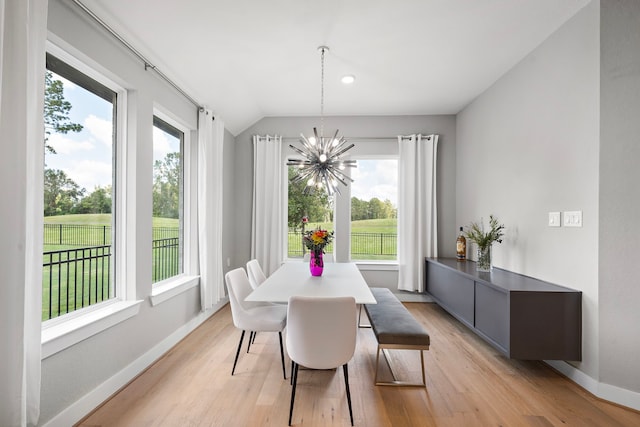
x=522, y=317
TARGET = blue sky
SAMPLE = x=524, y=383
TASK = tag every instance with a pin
x=86, y=156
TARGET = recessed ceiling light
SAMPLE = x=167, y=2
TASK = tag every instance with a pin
x=348, y=79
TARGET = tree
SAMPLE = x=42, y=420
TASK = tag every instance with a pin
x=56, y=111
x=316, y=206
x=359, y=209
x=61, y=193
x=167, y=181
x=99, y=201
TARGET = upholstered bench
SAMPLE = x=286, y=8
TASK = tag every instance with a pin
x=395, y=328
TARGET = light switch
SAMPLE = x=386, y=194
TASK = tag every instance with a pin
x=554, y=219
x=572, y=219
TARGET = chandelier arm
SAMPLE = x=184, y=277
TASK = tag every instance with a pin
x=306, y=155
x=344, y=150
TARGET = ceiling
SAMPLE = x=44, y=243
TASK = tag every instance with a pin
x=248, y=59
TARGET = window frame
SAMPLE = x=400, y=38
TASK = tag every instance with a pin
x=189, y=278
x=67, y=330
x=342, y=206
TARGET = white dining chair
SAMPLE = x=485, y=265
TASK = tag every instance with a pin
x=321, y=334
x=253, y=316
x=255, y=273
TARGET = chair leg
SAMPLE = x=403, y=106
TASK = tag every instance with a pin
x=294, y=379
x=249, y=342
x=237, y=353
x=346, y=382
x=291, y=378
x=254, y=338
x=284, y=371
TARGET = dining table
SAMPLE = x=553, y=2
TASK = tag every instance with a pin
x=293, y=278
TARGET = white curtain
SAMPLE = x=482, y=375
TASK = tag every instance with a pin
x=268, y=221
x=417, y=208
x=23, y=32
x=210, y=173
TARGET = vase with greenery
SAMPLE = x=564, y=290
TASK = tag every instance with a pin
x=484, y=240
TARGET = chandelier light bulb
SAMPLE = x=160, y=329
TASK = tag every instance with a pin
x=310, y=182
x=312, y=140
x=323, y=158
x=335, y=142
x=341, y=166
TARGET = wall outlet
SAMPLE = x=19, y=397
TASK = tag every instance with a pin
x=572, y=219
x=554, y=219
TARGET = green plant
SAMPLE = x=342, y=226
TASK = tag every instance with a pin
x=477, y=234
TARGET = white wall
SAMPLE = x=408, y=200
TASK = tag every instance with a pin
x=529, y=145
x=619, y=195
x=356, y=127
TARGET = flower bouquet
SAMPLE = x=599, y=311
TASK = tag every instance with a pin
x=315, y=241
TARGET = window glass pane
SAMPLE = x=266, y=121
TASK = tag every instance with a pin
x=79, y=171
x=306, y=212
x=167, y=201
x=374, y=198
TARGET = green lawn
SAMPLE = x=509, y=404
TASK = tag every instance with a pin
x=377, y=241
x=68, y=285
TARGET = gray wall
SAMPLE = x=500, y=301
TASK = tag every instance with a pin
x=560, y=132
x=529, y=145
x=71, y=374
x=619, y=195
x=356, y=127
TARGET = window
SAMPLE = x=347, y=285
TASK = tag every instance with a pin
x=306, y=211
x=374, y=219
x=79, y=259
x=168, y=201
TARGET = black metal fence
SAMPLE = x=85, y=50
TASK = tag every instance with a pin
x=363, y=245
x=80, y=277
x=166, y=258
x=75, y=278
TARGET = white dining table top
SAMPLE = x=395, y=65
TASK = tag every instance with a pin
x=294, y=278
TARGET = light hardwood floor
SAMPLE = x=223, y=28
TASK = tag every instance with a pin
x=468, y=384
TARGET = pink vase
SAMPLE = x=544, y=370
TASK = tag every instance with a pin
x=316, y=264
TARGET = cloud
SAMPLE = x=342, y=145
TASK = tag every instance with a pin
x=90, y=173
x=161, y=144
x=100, y=129
x=64, y=145
x=376, y=178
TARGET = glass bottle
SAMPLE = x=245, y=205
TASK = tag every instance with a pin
x=461, y=247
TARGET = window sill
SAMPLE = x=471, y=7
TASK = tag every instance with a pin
x=377, y=265
x=167, y=289
x=63, y=334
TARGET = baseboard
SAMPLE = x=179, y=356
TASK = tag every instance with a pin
x=611, y=393
x=104, y=391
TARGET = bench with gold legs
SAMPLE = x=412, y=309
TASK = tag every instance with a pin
x=395, y=329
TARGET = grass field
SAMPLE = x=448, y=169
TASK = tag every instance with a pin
x=371, y=239
x=80, y=275
x=68, y=285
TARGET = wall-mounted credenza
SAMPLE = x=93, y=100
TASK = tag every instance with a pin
x=522, y=317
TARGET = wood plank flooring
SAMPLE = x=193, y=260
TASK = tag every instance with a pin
x=468, y=384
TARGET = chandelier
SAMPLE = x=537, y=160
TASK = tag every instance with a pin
x=321, y=164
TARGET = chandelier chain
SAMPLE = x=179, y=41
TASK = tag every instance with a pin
x=322, y=93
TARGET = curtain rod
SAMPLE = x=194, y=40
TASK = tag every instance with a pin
x=147, y=63
x=359, y=138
